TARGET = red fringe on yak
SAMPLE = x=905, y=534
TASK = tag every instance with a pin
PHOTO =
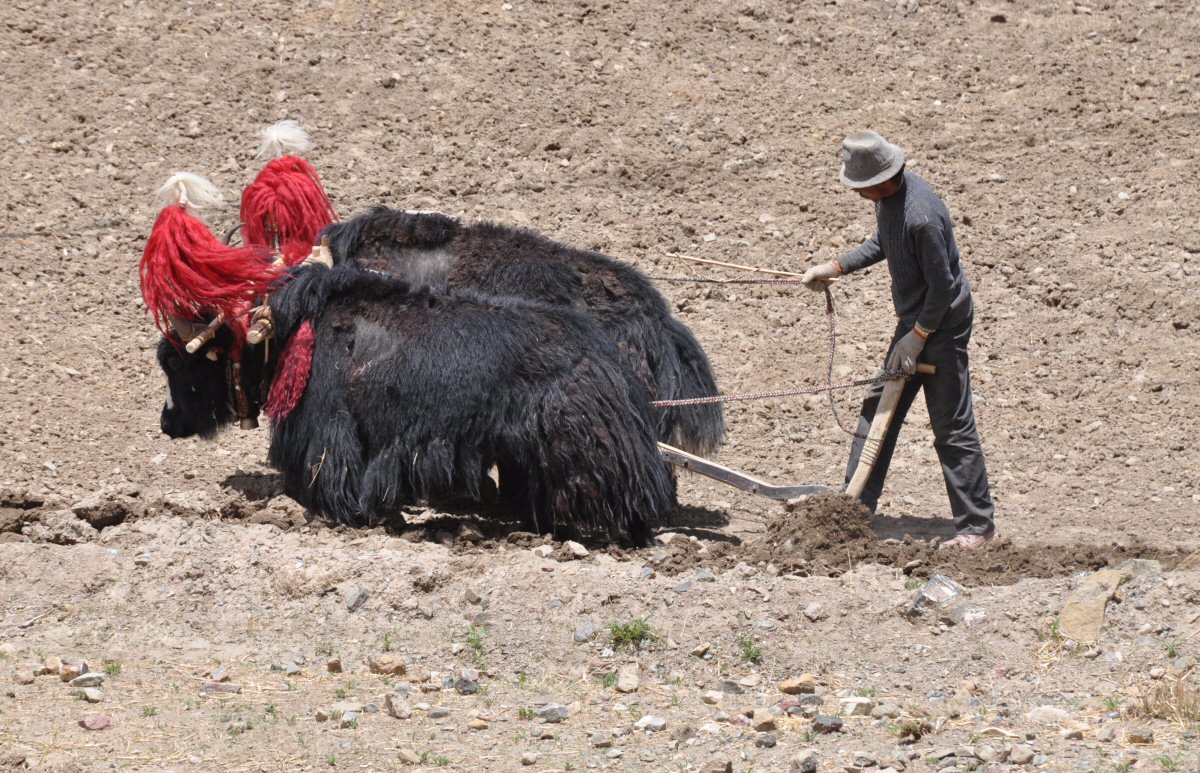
x=291, y=376
x=188, y=273
x=286, y=206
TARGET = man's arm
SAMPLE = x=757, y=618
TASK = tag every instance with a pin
x=866, y=254
x=930, y=243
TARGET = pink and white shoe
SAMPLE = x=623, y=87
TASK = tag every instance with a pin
x=969, y=541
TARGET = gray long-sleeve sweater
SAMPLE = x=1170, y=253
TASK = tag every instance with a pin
x=914, y=233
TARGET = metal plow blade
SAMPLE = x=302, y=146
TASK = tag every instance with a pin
x=737, y=479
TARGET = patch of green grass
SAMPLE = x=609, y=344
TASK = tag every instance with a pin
x=1114, y=702
x=149, y=711
x=809, y=735
x=331, y=760
x=1124, y=767
x=522, y=678
x=324, y=648
x=475, y=641
x=526, y=713
x=1171, y=763
x=111, y=668
x=287, y=685
x=751, y=652
x=866, y=692
x=609, y=680
x=385, y=641
x=441, y=760
x=630, y=634
x=1172, y=649
x=912, y=583
x=675, y=681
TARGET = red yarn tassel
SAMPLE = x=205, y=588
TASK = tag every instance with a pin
x=285, y=208
x=187, y=272
x=291, y=373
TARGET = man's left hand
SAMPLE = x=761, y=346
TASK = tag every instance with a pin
x=905, y=352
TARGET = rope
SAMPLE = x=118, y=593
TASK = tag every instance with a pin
x=829, y=387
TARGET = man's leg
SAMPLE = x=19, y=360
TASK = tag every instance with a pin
x=874, y=486
x=955, y=437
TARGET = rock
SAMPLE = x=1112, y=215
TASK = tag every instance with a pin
x=1083, y=615
x=52, y=665
x=356, y=599
x=322, y=715
x=721, y=765
x=24, y=677
x=701, y=649
x=553, y=712
x=92, y=679
x=1139, y=567
x=477, y=724
x=334, y=665
x=1020, y=755
x=805, y=762
x=651, y=723
x=730, y=687
x=106, y=508
x=1071, y=734
x=1140, y=735
x=886, y=710
x=387, y=663
x=68, y=672
x=575, y=549
x=1106, y=734
x=438, y=712
x=341, y=708
x=92, y=695
x=1047, y=715
x=765, y=740
x=857, y=706
x=815, y=612
x=96, y=722
x=684, y=586
x=627, y=679
x=408, y=755
x=541, y=551
x=762, y=721
x=529, y=758
x=711, y=697
x=988, y=753
x=62, y=527
x=223, y=687
x=395, y=705
x=467, y=682
x=143, y=559
x=823, y=723
x=585, y=632
x=805, y=684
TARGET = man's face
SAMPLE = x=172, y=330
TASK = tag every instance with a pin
x=878, y=193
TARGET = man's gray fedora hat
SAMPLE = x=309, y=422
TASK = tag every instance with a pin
x=868, y=159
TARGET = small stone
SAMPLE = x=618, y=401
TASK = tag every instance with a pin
x=334, y=665
x=96, y=722
x=575, y=549
x=224, y=687
x=627, y=679
x=762, y=721
x=92, y=695
x=395, y=705
x=24, y=677
x=425, y=611
x=93, y=679
x=805, y=684
x=357, y=599
x=349, y=719
x=1071, y=734
x=1020, y=755
x=1106, y=734
x=718, y=766
x=684, y=586
x=1140, y=735
x=815, y=612
x=705, y=575
x=823, y=723
x=52, y=665
x=765, y=740
x=68, y=672
x=477, y=724
x=322, y=715
x=438, y=712
x=711, y=697
x=387, y=663
x=584, y=632
x=701, y=649
x=553, y=712
x=651, y=723
x=541, y=551
x=730, y=687
x=408, y=755
x=886, y=710
x=142, y=560
x=805, y=761
x=856, y=706
x=1047, y=715
x=529, y=758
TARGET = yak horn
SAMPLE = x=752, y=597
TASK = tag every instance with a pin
x=262, y=326
x=320, y=254
x=205, y=335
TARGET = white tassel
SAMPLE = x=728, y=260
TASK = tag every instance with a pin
x=286, y=138
x=189, y=190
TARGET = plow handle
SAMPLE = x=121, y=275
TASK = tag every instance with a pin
x=879, y=427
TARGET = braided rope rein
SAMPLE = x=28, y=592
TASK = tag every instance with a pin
x=829, y=387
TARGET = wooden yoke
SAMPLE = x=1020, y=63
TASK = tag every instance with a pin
x=879, y=427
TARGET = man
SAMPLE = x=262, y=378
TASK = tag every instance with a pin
x=933, y=303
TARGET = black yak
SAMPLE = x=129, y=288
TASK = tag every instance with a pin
x=382, y=392
x=433, y=249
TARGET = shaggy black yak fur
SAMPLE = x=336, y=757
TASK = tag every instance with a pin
x=416, y=392
x=433, y=249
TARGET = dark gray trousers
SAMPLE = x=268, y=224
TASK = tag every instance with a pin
x=952, y=416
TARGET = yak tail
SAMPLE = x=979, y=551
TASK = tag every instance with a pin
x=190, y=190
x=698, y=429
x=285, y=138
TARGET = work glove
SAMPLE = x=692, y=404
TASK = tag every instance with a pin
x=818, y=276
x=905, y=352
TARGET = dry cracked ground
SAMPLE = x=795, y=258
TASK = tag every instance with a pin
x=163, y=607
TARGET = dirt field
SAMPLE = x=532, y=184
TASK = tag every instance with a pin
x=1063, y=138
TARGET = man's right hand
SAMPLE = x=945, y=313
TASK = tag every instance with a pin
x=817, y=277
